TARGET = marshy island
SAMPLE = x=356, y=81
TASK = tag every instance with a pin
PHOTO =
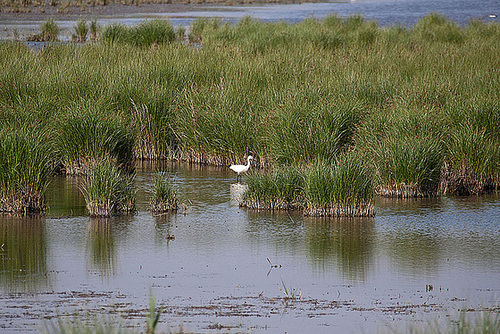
x=335, y=111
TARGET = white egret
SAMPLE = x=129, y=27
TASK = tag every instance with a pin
x=241, y=168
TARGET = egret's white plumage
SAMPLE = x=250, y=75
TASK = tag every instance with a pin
x=241, y=168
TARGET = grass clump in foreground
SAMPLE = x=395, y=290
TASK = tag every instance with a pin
x=482, y=323
x=279, y=189
x=164, y=197
x=103, y=325
x=342, y=189
x=107, y=191
x=26, y=163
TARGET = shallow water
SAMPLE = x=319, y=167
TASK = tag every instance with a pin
x=415, y=260
x=384, y=12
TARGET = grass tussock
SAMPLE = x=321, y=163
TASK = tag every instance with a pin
x=146, y=34
x=26, y=164
x=81, y=32
x=107, y=190
x=473, y=166
x=164, y=196
x=49, y=32
x=85, y=135
x=279, y=189
x=344, y=189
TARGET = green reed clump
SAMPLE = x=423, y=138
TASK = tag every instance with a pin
x=278, y=189
x=85, y=135
x=49, y=32
x=107, y=190
x=342, y=189
x=26, y=163
x=200, y=25
x=94, y=30
x=145, y=34
x=156, y=139
x=473, y=163
x=437, y=28
x=305, y=131
x=115, y=33
x=164, y=196
x=408, y=166
x=152, y=32
x=81, y=31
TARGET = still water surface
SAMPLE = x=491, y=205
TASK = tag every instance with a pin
x=384, y=12
x=416, y=260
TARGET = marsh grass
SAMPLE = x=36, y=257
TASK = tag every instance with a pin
x=278, y=189
x=94, y=30
x=409, y=167
x=146, y=34
x=291, y=94
x=156, y=139
x=85, y=135
x=26, y=164
x=81, y=31
x=470, y=323
x=164, y=196
x=474, y=163
x=307, y=131
x=107, y=190
x=49, y=32
x=342, y=189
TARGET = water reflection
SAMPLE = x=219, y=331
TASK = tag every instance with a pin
x=65, y=198
x=164, y=227
x=101, y=246
x=23, y=253
x=237, y=191
x=348, y=242
x=281, y=229
x=416, y=252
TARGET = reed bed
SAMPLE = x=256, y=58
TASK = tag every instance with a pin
x=344, y=189
x=25, y=166
x=84, y=135
x=146, y=34
x=289, y=94
x=279, y=189
x=164, y=196
x=107, y=190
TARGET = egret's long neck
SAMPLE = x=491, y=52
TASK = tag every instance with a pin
x=248, y=162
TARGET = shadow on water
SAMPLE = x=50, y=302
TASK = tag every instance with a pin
x=23, y=253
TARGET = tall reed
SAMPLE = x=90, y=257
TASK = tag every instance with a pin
x=26, y=164
x=408, y=167
x=164, y=197
x=278, y=189
x=85, y=135
x=473, y=164
x=344, y=189
x=107, y=190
